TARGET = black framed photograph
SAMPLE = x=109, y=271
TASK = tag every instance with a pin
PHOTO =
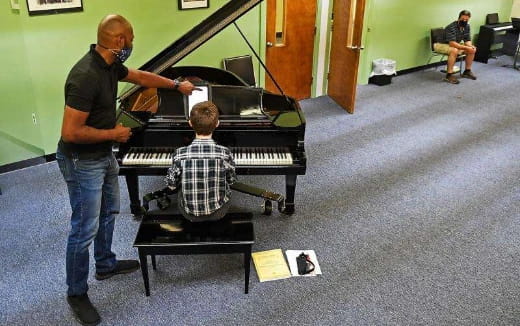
x=47, y=7
x=193, y=4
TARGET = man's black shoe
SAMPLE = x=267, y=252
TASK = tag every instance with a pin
x=450, y=78
x=122, y=267
x=83, y=309
x=469, y=74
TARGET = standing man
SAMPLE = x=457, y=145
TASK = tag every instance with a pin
x=86, y=161
x=458, y=41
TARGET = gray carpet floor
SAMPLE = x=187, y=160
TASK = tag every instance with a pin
x=411, y=204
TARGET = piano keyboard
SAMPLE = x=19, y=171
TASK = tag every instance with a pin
x=501, y=28
x=145, y=156
x=261, y=156
x=149, y=156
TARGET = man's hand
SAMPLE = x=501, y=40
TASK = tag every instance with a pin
x=186, y=87
x=470, y=49
x=121, y=134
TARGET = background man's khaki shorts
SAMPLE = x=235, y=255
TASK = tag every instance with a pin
x=443, y=48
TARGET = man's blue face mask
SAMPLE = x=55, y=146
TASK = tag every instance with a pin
x=124, y=54
x=121, y=55
x=463, y=23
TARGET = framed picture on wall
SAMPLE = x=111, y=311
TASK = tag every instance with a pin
x=192, y=4
x=46, y=7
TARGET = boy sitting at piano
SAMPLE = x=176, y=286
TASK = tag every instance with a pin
x=202, y=172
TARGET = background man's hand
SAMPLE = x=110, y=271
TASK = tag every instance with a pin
x=122, y=134
x=470, y=49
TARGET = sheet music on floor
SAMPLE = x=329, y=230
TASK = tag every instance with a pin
x=291, y=258
x=270, y=265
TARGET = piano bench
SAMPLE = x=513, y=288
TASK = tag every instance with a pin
x=174, y=235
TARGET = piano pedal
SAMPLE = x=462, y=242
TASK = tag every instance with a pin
x=281, y=205
x=267, y=207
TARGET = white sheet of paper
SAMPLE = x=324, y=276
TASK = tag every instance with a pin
x=291, y=258
x=198, y=96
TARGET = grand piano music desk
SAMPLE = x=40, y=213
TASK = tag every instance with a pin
x=174, y=235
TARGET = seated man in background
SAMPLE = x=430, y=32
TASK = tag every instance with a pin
x=203, y=171
x=458, y=41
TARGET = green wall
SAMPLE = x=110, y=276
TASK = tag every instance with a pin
x=38, y=51
x=19, y=137
x=400, y=29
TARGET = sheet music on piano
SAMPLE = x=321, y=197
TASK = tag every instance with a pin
x=234, y=103
x=200, y=94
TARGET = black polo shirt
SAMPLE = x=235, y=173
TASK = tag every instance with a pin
x=91, y=87
x=453, y=32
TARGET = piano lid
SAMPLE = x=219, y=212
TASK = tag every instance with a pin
x=195, y=37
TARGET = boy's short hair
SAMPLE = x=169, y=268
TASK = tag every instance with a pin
x=464, y=13
x=204, y=117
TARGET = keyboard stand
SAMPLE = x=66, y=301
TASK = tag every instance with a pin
x=516, y=56
x=515, y=60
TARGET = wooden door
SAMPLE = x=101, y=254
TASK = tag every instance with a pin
x=347, y=30
x=290, y=35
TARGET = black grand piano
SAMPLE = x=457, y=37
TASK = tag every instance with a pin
x=265, y=131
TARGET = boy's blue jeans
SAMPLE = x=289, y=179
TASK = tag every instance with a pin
x=94, y=198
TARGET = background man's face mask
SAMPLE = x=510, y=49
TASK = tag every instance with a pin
x=463, y=23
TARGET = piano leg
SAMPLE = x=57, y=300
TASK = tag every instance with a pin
x=132, y=183
x=290, y=187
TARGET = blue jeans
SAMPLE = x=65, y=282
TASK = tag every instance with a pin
x=94, y=198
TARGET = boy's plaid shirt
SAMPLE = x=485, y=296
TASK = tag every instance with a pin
x=203, y=171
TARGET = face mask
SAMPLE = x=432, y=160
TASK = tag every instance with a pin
x=463, y=23
x=123, y=54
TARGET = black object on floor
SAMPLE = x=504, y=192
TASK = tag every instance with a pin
x=380, y=80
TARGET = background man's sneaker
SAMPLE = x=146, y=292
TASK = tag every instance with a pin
x=83, y=309
x=469, y=74
x=122, y=267
x=451, y=79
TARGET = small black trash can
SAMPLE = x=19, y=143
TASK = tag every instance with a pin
x=381, y=80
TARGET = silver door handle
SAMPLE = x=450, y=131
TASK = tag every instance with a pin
x=269, y=44
x=356, y=48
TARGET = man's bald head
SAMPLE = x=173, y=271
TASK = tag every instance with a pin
x=112, y=29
